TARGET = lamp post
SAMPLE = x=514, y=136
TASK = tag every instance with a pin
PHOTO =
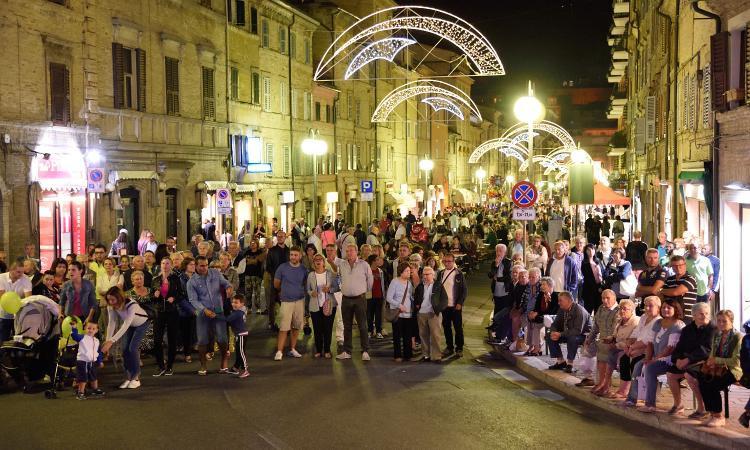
x=426, y=165
x=480, y=174
x=529, y=110
x=314, y=146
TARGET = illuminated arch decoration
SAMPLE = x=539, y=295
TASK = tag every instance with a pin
x=400, y=21
x=386, y=49
x=437, y=91
x=503, y=145
x=442, y=103
x=518, y=132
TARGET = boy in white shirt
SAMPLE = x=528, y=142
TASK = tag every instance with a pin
x=89, y=357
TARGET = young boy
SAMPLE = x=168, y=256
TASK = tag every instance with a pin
x=88, y=358
x=236, y=320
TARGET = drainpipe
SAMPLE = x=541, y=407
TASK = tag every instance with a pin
x=289, y=100
x=715, y=144
x=670, y=79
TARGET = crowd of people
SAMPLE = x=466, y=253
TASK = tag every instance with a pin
x=627, y=307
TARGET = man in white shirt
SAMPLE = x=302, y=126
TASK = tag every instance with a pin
x=557, y=267
x=315, y=239
x=356, y=279
x=13, y=280
x=454, y=284
x=400, y=230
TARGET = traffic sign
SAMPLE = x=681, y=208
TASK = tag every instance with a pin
x=524, y=194
x=365, y=186
x=524, y=214
x=96, y=182
x=223, y=201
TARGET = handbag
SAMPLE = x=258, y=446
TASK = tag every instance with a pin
x=629, y=285
x=391, y=314
x=714, y=371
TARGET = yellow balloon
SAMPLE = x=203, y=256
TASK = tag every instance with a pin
x=68, y=323
x=10, y=302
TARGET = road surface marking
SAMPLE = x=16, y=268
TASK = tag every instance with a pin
x=547, y=395
x=511, y=375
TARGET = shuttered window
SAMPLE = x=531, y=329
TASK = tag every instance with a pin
x=208, y=93
x=292, y=44
x=307, y=101
x=269, y=155
x=264, y=30
x=308, y=56
x=266, y=94
x=240, y=13
x=256, y=88
x=692, y=101
x=287, y=161
x=282, y=40
x=172, y=81
x=129, y=77
x=719, y=70
x=234, y=83
x=283, y=99
x=59, y=80
x=294, y=103
x=706, y=97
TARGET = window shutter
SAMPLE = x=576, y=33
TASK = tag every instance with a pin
x=294, y=103
x=706, y=97
x=172, y=70
x=283, y=103
x=266, y=94
x=140, y=58
x=118, y=77
x=746, y=59
x=692, y=101
x=209, y=97
x=269, y=156
x=59, y=94
x=650, y=119
x=240, y=13
x=287, y=161
x=719, y=70
x=640, y=135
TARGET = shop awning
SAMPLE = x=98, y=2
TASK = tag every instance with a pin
x=117, y=175
x=245, y=188
x=461, y=195
x=604, y=195
x=392, y=198
x=691, y=176
x=214, y=185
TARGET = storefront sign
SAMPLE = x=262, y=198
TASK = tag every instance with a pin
x=59, y=171
x=96, y=180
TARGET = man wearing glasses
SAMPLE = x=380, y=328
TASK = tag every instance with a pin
x=681, y=286
x=97, y=265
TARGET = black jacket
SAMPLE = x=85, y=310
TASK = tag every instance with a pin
x=460, y=290
x=175, y=290
x=504, y=279
x=694, y=343
x=276, y=257
x=551, y=309
x=438, y=298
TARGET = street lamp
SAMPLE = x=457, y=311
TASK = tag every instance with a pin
x=427, y=165
x=480, y=174
x=314, y=146
x=529, y=110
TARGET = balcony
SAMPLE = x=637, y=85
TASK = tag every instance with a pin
x=621, y=7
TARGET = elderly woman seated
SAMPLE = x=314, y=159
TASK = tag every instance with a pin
x=722, y=368
x=689, y=355
x=603, y=332
x=634, y=348
x=627, y=322
x=663, y=339
x=545, y=305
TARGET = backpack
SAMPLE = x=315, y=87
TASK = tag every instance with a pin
x=148, y=308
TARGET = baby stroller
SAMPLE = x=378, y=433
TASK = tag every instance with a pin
x=32, y=352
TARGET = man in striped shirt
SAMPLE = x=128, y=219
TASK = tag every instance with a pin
x=681, y=286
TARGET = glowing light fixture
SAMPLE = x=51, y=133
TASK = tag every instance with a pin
x=441, y=103
x=386, y=49
x=432, y=88
x=528, y=109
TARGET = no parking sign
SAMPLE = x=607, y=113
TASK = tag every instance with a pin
x=223, y=201
x=524, y=194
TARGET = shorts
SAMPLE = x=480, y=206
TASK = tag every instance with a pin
x=85, y=371
x=203, y=324
x=291, y=315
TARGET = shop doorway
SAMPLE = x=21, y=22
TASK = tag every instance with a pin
x=744, y=263
x=130, y=199
x=170, y=206
x=62, y=226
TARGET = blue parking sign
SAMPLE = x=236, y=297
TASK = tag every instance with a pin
x=365, y=186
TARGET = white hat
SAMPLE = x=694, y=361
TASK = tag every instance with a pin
x=123, y=230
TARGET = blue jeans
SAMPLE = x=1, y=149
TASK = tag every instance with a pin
x=203, y=324
x=650, y=373
x=573, y=343
x=131, y=353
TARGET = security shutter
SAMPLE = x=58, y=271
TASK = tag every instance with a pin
x=719, y=70
x=118, y=77
x=172, y=79
x=209, y=97
x=59, y=80
x=140, y=57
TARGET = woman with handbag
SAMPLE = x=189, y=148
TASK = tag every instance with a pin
x=143, y=295
x=399, y=298
x=620, y=277
x=321, y=284
x=722, y=368
x=166, y=288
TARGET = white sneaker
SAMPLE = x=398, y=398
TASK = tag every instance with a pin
x=125, y=384
x=294, y=353
x=278, y=356
x=134, y=384
x=344, y=355
x=365, y=356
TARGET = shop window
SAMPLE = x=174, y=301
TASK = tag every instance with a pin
x=171, y=212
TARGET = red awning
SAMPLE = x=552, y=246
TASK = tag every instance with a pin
x=603, y=195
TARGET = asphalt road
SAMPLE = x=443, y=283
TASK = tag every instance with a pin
x=476, y=402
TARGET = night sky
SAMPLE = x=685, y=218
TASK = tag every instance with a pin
x=547, y=41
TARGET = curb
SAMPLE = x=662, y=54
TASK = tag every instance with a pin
x=535, y=368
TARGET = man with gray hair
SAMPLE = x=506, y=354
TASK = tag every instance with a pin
x=356, y=280
x=571, y=325
x=430, y=301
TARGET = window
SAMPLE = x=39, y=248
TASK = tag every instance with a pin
x=264, y=31
x=234, y=83
x=254, y=20
x=283, y=98
x=317, y=111
x=266, y=94
x=59, y=83
x=171, y=211
x=172, y=82
x=287, y=161
x=349, y=157
x=256, y=88
x=129, y=77
x=308, y=56
x=328, y=113
x=357, y=106
x=209, y=94
x=292, y=44
x=206, y=3
x=349, y=105
x=238, y=146
x=240, y=13
x=269, y=155
x=294, y=103
x=282, y=40
x=306, y=106
x=338, y=157
x=59, y=2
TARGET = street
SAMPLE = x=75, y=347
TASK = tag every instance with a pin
x=306, y=403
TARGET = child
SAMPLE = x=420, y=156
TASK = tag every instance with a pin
x=236, y=320
x=88, y=358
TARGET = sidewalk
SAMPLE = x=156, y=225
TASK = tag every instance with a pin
x=732, y=436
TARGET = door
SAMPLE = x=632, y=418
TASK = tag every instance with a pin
x=131, y=213
x=171, y=212
x=744, y=263
x=62, y=226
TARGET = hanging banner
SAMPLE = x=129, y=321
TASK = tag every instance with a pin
x=581, y=184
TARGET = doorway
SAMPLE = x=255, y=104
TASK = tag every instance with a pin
x=130, y=199
x=171, y=212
